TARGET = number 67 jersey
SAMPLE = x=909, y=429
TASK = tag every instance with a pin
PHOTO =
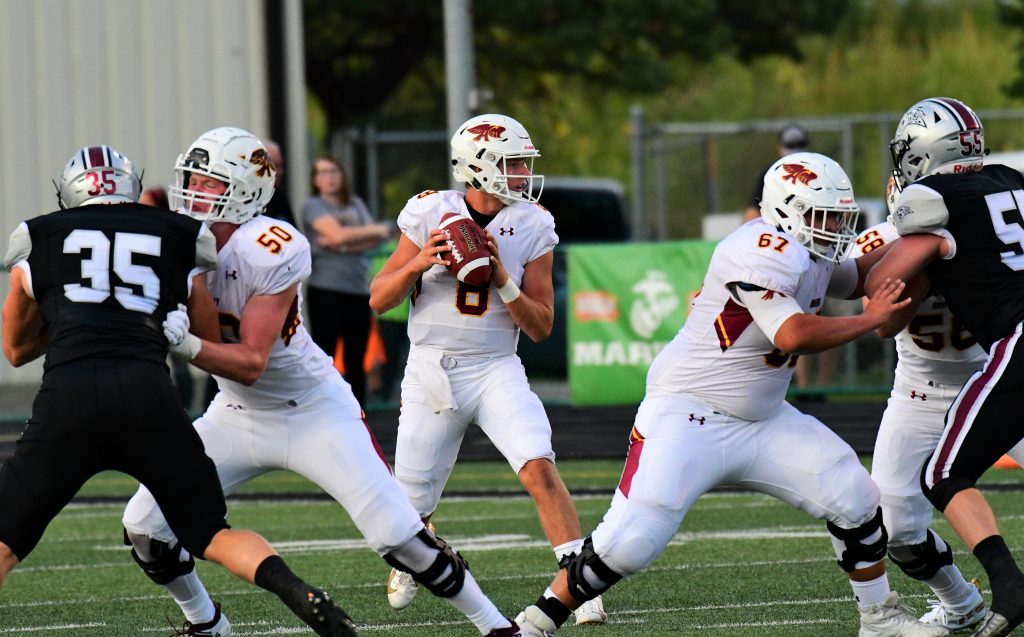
x=721, y=356
x=466, y=319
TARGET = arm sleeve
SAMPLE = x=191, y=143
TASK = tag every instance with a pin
x=768, y=309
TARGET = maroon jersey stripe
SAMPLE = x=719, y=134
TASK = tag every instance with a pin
x=963, y=410
x=636, y=447
x=731, y=322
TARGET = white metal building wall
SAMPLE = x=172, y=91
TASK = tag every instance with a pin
x=145, y=76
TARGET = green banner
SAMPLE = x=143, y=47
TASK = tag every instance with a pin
x=626, y=302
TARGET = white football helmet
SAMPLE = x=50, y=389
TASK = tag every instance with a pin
x=481, y=149
x=98, y=174
x=809, y=197
x=937, y=135
x=237, y=158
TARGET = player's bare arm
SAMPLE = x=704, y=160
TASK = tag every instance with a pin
x=262, y=320
x=915, y=251
x=391, y=285
x=24, y=339
x=534, y=309
x=811, y=333
x=864, y=264
x=202, y=311
x=331, y=234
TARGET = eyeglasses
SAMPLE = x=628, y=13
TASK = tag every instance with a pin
x=327, y=171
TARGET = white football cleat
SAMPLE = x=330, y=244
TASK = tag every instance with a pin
x=591, y=612
x=533, y=622
x=219, y=626
x=402, y=589
x=891, y=619
x=949, y=618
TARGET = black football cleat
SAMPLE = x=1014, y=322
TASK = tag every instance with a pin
x=325, y=618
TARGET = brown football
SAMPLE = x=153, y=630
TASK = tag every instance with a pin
x=468, y=255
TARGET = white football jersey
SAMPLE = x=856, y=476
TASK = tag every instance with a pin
x=460, y=318
x=934, y=346
x=720, y=356
x=265, y=256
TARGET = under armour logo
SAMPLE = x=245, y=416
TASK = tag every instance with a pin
x=501, y=232
x=699, y=419
x=231, y=274
x=914, y=394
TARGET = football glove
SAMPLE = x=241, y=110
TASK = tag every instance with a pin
x=182, y=343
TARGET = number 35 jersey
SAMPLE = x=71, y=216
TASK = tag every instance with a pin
x=983, y=280
x=721, y=356
x=935, y=346
x=465, y=319
x=105, y=277
x=263, y=257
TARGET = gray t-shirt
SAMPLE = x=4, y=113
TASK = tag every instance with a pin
x=334, y=270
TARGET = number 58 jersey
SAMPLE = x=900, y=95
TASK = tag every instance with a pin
x=721, y=356
x=466, y=319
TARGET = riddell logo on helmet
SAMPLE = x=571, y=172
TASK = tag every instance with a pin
x=485, y=132
x=798, y=172
x=969, y=168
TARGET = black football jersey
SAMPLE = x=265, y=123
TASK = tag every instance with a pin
x=105, y=277
x=984, y=282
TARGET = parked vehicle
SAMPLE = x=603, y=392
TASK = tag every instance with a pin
x=586, y=210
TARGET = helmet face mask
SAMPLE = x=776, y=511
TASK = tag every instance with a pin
x=233, y=157
x=494, y=154
x=809, y=197
x=98, y=175
x=936, y=135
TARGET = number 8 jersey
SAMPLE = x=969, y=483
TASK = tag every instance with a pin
x=980, y=214
x=105, y=277
x=464, y=319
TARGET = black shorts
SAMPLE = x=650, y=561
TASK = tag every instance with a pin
x=109, y=414
x=982, y=424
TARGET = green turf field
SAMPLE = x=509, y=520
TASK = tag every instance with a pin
x=742, y=564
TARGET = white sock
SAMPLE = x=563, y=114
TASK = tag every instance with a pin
x=952, y=589
x=190, y=594
x=871, y=592
x=574, y=546
x=477, y=607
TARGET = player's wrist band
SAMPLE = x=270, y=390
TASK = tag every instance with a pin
x=510, y=291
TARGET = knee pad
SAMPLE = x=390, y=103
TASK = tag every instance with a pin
x=445, y=576
x=922, y=561
x=160, y=561
x=854, y=545
x=581, y=587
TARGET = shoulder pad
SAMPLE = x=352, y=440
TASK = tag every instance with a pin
x=920, y=210
x=763, y=256
x=873, y=238
x=19, y=247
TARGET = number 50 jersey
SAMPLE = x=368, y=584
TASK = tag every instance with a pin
x=105, y=277
x=466, y=319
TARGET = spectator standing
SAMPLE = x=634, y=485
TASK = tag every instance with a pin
x=341, y=232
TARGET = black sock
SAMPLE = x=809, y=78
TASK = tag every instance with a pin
x=1004, y=576
x=274, y=575
x=995, y=557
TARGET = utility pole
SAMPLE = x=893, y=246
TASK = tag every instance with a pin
x=459, y=63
